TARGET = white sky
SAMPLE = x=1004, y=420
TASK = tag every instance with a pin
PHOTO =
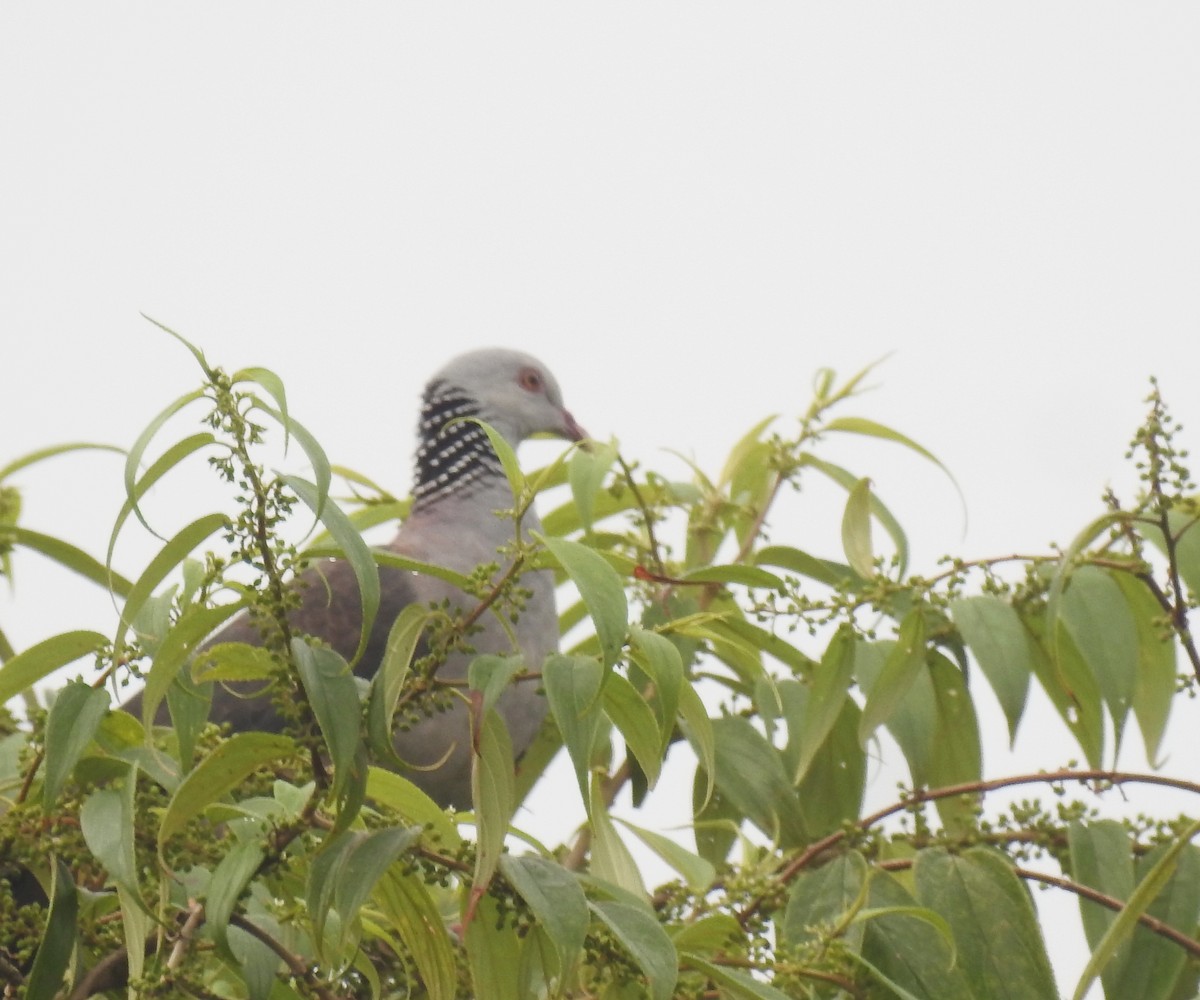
x=685, y=210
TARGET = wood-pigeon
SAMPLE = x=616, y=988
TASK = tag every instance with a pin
x=459, y=488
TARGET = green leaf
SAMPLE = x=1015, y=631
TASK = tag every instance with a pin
x=33, y=457
x=587, y=471
x=491, y=675
x=734, y=984
x=659, y=659
x=573, y=689
x=826, y=571
x=55, y=950
x=869, y=428
x=398, y=793
x=68, y=555
x=493, y=794
x=856, y=530
x=1097, y=616
x=958, y=755
x=1101, y=858
x=1160, y=961
x=994, y=632
x=73, y=720
x=220, y=772
x=696, y=871
x=233, y=661
x=999, y=943
x=1151, y=885
x=354, y=549
x=504, y=451
x=698, y=730
x=396, y=561
x=914, y=718
x=747, y=576
x=601, y=590
x=829, y=688
x=405, y=903
x=494, y=955
x=826, y=896
x=904, y=664
x=750, y=774
x=228, y=882
x=643, y=937
x=635, y=720
x=832, y=789
x=333, y=696
x=906, y=949
x=555, y=897
x=611, y=859
x=168, y=557
x=134, y=458
x=1072, y=688
x=194, y=626
x=1156, y=673
x=30, y=666
x=107, y=823
x=364, y=863
x=848, y=481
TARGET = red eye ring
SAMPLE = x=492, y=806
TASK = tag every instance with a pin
x=531, y=380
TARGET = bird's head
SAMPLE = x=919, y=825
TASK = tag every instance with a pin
x=513, y=392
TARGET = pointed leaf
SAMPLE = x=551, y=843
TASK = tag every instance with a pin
x=1156, y=674
x=1000, y=947
x=829, y=688
x=573, y=690
x=220, y=772
x=58, y=941
x=696, y=871
x=70, y=556
x=194, y=626
x=644, y=939
x=904, y=664
x=228, y=882
x=635, y=720
x=587, y=471
x=556, y=899
x=601, y=590
x=333, y=697
x=27, y=668
x=1097, y=616
x=171, y=555
x=826, y=896
x=856, y=530
x=106, y=821
x=493, y=794
x=734, y=984
x=1148, y=888
x=73, y=720
x=958, y=754
x=405, y=903
x=611, y=859
x=750, y=774
x=994, y=632
x=355, y=550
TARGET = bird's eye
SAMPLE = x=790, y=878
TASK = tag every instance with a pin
x=530, y=379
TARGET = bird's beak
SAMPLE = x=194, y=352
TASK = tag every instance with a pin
x=570, y=429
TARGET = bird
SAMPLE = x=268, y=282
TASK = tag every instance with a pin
x=459, y=496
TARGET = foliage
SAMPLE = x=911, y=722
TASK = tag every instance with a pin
x=192, y=862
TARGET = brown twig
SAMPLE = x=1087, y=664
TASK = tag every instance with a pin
x=294, y=963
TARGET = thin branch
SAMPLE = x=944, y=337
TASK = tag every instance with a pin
x=655, y=552
x=923, y=795
x=294, y=963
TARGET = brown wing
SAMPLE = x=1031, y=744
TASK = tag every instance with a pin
x=331, y=610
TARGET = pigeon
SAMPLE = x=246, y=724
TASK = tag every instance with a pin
x=457, y=521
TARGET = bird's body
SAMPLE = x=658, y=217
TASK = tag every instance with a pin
x=456, y=522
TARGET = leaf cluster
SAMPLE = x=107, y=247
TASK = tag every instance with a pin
x=149, y=860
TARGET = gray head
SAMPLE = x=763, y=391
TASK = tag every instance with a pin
x=513, y=392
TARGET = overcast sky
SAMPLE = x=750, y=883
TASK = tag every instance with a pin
x=685, y=210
